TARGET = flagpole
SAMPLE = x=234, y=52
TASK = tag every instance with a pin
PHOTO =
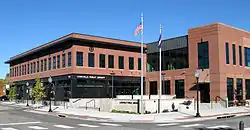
x=160, y=88
x=142, y=69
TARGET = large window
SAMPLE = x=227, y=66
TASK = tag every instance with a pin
x=91, y=60
x=28, y=72
x=69, y=59
x=37, y=63
x=227, y=53
x=171, y=60
x=234, y=54
x=63, y=60
x=139, y=63
x=230, y=89
x=58, y=62
x=166, y=87
x=79, y=58
x=239, y=90
x=111, y=61
x=102, y=60
x=121, y=62
x=34, y=67
x=42, y=65
x=131, y=63
x=45, y=64
x=31, y=68
x=247, y=56
x=203, y=55
x=240, y=55
x=54, y=62
x=179, y=89
x=247, y=85
x=49, y=65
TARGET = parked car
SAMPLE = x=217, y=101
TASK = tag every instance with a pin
x=4, y=98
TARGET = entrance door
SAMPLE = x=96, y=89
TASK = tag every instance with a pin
x=205, y=93
x=153, y=88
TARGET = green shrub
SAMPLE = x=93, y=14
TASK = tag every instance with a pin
x=119, y=111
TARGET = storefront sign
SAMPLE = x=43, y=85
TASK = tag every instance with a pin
x=91, y=77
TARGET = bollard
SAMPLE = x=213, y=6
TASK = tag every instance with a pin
x=241, y=125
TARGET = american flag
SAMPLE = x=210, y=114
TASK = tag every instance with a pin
x=138, y=29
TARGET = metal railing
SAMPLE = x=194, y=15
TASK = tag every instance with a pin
x=221, y=99
x=92, y=100
x=77, y=100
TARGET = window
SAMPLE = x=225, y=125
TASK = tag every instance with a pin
x=234, y=54
x=45, y=64
x=247, y=56
x=41, y=66
x=31, y=68
x=247, y=85
x=69, y=59
x=54, y=62
x=102, y=61
x=79, y=58
x=37, y=63
x=139, y=63
x=63, y=61
x=239, y=91
x=203, y=57
x=34, y=64
x=166, y=87
x=240, y=55
x=179, y=89
x=131, y=63
x=230, y=89
x=49, y=65
x=91, y=60
x=25, y=69
x=121, y=62
x=28, y=72
x=111, y=61
x=227, y=53
x=58, y=61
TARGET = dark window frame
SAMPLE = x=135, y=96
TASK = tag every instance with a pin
x=63, y=60
x=110, y=61
x=54, y=62
x=69, y=59
x=240, y=55
x=79, y=58
x=234, y=54
x=227, y=53
x=139, y=64
x=49, y=64
x=203, y=55
x=121, y=62
x=102, y=60
x=58, y=61
x=131, y=63
x=91, y=59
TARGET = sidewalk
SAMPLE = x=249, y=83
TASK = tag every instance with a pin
x=135, y=118
x=146, y=118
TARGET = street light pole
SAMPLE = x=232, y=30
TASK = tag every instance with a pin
x=197, y=75
x=112, y=74
x=50, y=81
x=27, y=91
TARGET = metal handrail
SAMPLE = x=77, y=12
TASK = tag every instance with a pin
x=77, y=100
x=90, y=102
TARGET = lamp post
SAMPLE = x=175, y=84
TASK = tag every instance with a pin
x=197, y=75
x=112, y=74
x=50, y=81
x=27, y=91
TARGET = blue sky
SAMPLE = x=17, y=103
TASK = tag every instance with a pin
x=25, y=24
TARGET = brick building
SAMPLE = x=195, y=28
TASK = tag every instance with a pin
x=83, y=64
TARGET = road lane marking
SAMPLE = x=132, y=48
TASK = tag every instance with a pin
x=192, y=125
x=247, y=128
x=87, y=125
x=20, y=123
x=8, y=128
x=37, y=127
x=169, y=124
x=64, y=126
x=219, y=126
x=109, y=124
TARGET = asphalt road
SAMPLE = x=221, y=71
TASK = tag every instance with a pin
x=14, y=118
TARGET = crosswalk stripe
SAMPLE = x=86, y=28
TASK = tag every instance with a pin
x=37, y=127
x=192, y=125
x=20, y=123
x=64, y=126
x=87, y=125
x=109, y=124
x=219, y=126
x=169, y=124
x=8, y=128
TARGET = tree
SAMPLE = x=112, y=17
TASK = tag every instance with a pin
x=12, y=93
x=38, y=92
